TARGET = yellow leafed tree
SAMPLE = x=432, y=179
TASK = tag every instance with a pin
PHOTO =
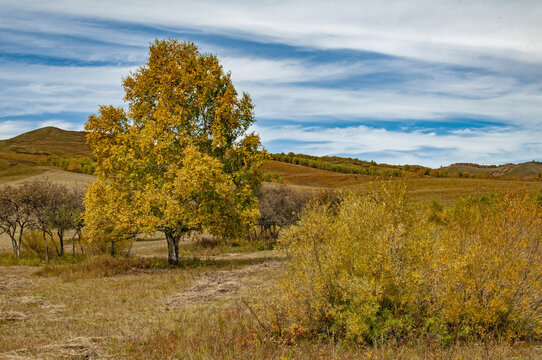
x=181, y=150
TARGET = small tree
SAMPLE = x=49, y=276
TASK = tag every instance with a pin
x=280, y=206
x=46, y=201
x=180, y=157
x=15, y=214
x=67, y=215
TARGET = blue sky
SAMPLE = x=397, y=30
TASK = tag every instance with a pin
x=407, y=81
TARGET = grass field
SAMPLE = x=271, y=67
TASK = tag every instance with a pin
x=445, y=190
x=141, y=308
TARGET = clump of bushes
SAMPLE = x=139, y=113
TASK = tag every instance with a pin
x=41, y=209
x=83, y=165
x=377, y=266
x=273, y=177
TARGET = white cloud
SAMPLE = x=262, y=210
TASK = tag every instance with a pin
x=500, y=38
x=36, y=89
x=415, y=147
x=62, y=124
x=11, y=128
x=480, y=33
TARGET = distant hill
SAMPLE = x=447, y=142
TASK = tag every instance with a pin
x=527, y=170
x=48, y=141
x=20, y=155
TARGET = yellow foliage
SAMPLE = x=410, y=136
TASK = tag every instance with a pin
x=378, y=266
x=179, y=158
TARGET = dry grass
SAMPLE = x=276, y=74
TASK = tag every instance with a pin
x=141, y=308
x=55, y=175
x=445, y=190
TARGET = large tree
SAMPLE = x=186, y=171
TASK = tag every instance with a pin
x=180, y=156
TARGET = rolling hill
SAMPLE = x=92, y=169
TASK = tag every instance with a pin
x=20, y=156
x=47, y=141
x=527, y=170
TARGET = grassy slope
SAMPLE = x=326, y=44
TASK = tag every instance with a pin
x=46, y=141
x=446, y=190
x=528, y=170
x=19, y=155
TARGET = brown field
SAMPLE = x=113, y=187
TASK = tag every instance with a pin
x=445, y=190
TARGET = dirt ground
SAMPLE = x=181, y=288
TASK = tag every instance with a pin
x=55, y=175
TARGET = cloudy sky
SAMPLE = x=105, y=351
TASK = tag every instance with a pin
x=406, y=81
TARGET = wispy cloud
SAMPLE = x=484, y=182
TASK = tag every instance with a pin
x=493, y=145
x=397, y=81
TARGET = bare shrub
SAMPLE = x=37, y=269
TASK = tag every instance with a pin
x=16, y=214
x=42, y=206
x=280, y=206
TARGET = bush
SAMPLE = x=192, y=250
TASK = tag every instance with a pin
x=74, y=166
x=280, y=206
x=378, y=267
x=34, y=246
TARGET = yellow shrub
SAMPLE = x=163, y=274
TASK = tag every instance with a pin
x=379, y=266
x=34, y=245
x=488, y=266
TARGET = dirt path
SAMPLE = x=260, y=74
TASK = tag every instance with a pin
x=214, y=285
x=55, y=175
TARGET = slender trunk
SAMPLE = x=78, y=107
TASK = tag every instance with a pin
x=13, y=241
x=73, y=243
x=46, y=248
x=61, y=240
x=112, y=249
x=79, y=240
x=20, y=241
x=130, y=247
x=53, y=241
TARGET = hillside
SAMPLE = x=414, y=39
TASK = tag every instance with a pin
x=47, y=141
x=20, y=155
x=525, y=171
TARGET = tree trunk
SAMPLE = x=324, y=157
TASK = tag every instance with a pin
x=46, y=248
x=172, y=239
x=19, y=242
x=54, y=243
x=79, y=240
x=73, y=244
x=61, y=239
x=112, y=249
x=130, y=247
x=13, y=242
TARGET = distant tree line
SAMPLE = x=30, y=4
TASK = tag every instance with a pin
x=351, y=166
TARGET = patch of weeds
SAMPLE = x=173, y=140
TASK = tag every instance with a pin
x=102, y=267
x=210, y=247
x=107, y=266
